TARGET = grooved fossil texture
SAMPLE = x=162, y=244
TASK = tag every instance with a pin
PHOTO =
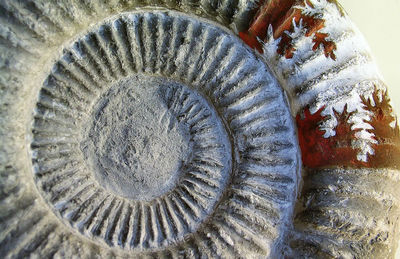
x=153, y=129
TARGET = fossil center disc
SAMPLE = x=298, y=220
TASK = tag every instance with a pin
x=135, y=144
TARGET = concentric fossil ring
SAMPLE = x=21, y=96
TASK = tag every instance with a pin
x=193, y=129
x=156, y=158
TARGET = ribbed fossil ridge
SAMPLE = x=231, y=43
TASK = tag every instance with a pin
x=242, y=195
x=333, y=199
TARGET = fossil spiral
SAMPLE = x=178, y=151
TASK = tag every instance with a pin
x=199, y=129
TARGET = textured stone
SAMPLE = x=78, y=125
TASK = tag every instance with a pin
x=150, y=129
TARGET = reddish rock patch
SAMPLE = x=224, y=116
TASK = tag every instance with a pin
x=318, y=151
x=387, y=148
x=280, y=14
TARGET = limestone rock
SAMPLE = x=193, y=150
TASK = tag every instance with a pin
x=153, y=129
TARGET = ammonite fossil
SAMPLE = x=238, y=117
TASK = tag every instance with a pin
x=193, y=129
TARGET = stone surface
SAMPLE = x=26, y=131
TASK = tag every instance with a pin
x=154, y=132
x=149, y=129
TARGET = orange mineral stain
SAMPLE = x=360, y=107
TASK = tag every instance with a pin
x=281, y=14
